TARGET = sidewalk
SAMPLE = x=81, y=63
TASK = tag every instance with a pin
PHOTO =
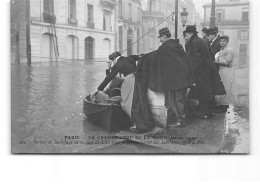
x=242, y=80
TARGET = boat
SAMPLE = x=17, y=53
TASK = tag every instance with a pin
x=109, y=115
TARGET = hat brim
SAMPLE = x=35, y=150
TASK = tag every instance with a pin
x=190, y=32
x=214, y=32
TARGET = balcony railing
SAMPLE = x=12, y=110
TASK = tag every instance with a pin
x=49, y=17
x=72, y=22
x=91, y=25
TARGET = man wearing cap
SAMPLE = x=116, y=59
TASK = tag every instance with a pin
x=207, y=78
x=166, y=71
x=213, y=37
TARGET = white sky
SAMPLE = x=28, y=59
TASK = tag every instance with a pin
x=198, y=5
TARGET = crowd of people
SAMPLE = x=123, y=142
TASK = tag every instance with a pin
x=198, y=80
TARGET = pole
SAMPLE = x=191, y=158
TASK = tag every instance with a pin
x=176, y=18
x=28, y=31
x=212, y=18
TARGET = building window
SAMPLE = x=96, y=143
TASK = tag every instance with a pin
x=245, y=14
x=244, y=35
x=139, y=15
x=48, y=11
x=106, y=20
x=130, y=12
x=219, y=15
x=48, y=6
x=72, y=13
x=90, y=13
x=242, y=55
x=90, y=20
x=120, y=9
x=72, y=9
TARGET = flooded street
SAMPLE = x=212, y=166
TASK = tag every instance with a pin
x=47, y=102
x=47, y=98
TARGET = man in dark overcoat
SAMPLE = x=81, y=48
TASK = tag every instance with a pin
x=123, y=65
x=204, y=35
x=214, y=40
x=207, y=79
x=166, y=70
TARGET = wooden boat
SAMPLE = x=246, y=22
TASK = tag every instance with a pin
x=110, y=116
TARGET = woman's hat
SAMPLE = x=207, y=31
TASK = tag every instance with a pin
x=224, y=37
x=190, y=29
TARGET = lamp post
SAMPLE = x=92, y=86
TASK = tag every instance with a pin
x=212, y=18
x=184, y=15
x=176, y=18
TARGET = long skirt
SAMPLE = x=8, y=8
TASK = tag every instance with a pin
x=228, y=79
x=134, y=102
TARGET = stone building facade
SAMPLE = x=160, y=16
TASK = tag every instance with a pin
x=232, y=19
x=70, y=29
x=155, y=11
x=129, y=26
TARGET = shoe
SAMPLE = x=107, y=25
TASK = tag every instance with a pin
x=137, y=131
x=177, y=125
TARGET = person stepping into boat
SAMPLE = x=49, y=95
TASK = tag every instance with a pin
x=132, y=97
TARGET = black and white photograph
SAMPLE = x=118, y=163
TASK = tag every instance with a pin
x=130, y=76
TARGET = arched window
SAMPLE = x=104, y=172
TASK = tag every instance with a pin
x=107, y=47
x=72, y=47
x=47, y=50
x=89, y=47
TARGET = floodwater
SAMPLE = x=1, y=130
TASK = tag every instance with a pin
x=47, y=101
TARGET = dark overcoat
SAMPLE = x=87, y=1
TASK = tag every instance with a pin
x=207, y=78
x=124, y=65
x=215, y=47
x=166, y=68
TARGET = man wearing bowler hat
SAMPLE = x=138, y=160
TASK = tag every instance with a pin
x=166, y=71
x=214, y=40
x=207, y=79
x=204, y=34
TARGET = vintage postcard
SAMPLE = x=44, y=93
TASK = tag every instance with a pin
x=130, y=76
